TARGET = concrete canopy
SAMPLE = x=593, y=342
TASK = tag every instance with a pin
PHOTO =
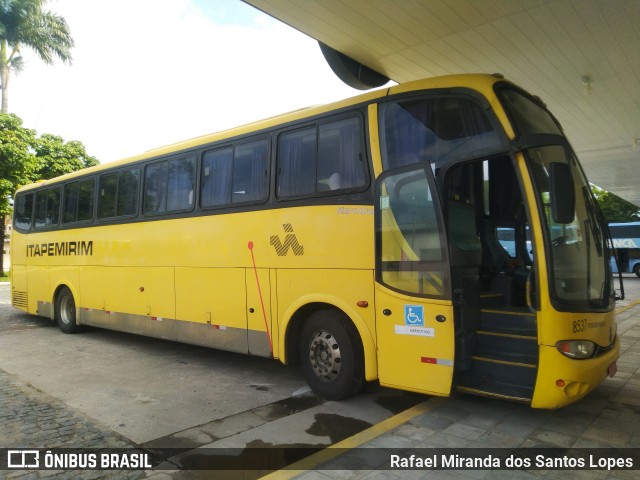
x=579, y=56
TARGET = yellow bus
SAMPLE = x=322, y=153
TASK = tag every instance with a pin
x=358, y=240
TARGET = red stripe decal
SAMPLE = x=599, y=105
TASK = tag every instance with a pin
x=264, y=312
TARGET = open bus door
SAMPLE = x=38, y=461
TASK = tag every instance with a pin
x=414, y=311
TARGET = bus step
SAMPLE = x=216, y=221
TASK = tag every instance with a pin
x=499, y=377
x=491, y=299
x=507, y=347
x=521, y=359
x=524, y=361
x=509, y=320
x=514, y=393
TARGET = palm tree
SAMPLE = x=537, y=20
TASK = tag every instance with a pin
x=24, y=23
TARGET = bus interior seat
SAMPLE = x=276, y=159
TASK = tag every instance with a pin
x=494, y=256
x=334, y=181
x=466, y=249
x=500, y=272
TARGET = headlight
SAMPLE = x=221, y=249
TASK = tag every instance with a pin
x=577, y=349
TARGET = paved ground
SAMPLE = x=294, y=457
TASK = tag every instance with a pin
x=36, y=412
x=142, y=388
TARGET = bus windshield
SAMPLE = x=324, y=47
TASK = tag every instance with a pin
x=577, y=252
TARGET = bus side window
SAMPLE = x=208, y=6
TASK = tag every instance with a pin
x=128, y=184
x=340, y=165
x=108, y=191
x=182, y=173
x=297, y=163
x=322, y=159
x=250, y=172
x=23, y=211
x=47, y=207
x=155, y=188
x=216, y=177
x=78, y=201
x=168, y=185
x=118, y=194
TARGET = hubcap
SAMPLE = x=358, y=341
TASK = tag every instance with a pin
x=324, y=355
x=67, y=310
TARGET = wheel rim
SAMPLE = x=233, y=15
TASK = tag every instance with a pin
x=67, y=311
x=324, y=355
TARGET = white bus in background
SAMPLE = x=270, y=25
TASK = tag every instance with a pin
x=626, y=242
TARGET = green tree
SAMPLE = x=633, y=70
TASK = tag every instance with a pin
x=26, y=158
x=18, y=163
x=55, y=157
x=614, y=208
x=24, y=23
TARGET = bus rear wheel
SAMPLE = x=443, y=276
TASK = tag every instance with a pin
x=65, y=311
x=331, y=355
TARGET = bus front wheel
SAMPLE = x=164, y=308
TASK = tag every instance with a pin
x=331, y=355
x=66, y=311
x=636, y=269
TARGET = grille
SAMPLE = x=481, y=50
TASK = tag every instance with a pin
x=19, y=299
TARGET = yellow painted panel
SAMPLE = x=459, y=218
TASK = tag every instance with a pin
x=39, y=287
x=415, y=342
x=19, y=278
x=212, y=295
x=138, y=291
x=152, y=288
x=69, y=276
x=91, y=278
x=259, y=303
x=18, y=249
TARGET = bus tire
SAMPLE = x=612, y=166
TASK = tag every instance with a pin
x=636, y=269
x=65, y=311
x=331, y=355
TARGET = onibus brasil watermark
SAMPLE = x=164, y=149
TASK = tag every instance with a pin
x=37, y=460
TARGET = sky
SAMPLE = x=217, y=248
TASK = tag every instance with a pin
x=147, y=73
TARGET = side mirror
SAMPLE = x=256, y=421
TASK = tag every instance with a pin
x=563, y=195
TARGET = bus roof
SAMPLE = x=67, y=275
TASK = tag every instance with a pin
x=479, y=82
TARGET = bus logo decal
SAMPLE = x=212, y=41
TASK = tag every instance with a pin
x=290, y=242
x=58, y=249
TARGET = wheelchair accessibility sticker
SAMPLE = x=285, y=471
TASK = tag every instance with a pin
x=414, y=315
x=414, y=323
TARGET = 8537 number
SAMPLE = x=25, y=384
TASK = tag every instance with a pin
x=580, y=326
